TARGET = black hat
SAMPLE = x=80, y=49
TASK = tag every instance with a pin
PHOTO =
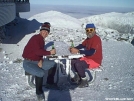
x=47, y=23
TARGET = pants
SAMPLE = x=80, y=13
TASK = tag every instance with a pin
x=32, y=68
x=79, y=67
x=51, y=73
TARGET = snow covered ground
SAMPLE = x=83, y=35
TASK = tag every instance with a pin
x=115, y=82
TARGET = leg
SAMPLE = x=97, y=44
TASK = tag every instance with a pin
x=80, y=67
x=32, y=68
x=76, y=77
x=39, y=81
x=47, y=64
x=73, y=62
x=50, y=65
x=51, y=73
x=39, y=91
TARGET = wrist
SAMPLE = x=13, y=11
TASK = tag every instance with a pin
x=78, y=51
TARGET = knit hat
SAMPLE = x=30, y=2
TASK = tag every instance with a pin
x=45, y=26
x=47, y=23
x=90, y=26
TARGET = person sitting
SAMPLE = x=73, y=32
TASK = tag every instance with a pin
x=34, y=63
x=91, y=47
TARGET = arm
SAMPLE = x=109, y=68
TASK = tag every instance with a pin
x=80, y=46
x=39, y=50
x=87, y=52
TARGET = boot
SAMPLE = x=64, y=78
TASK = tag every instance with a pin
x=75, y=79
x=83, y=83
x=38, y=82
x=40, y=97
x=39, y=91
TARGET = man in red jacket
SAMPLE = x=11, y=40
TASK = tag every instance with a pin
x=33, y=58
x=91, y=47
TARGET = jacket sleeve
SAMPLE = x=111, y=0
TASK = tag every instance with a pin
x=80, y=46
x=88, y=52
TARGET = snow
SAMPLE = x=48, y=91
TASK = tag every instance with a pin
x=115, y=82
x=57, y=18
x=113, y=20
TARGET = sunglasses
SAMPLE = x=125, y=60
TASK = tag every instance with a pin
x=90, y=29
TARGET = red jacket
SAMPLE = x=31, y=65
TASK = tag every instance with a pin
x=34, y=50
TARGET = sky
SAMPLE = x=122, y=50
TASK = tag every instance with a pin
x=112, y=3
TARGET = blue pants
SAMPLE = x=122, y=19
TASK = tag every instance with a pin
x=32, y=67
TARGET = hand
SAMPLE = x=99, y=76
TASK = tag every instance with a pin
x=74, y=50
x=53, y=51
x=40, y=63
x=70, y=49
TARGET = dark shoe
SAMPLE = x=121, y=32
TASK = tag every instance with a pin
x=40, y=97
x=83, y=83
x=75, y=79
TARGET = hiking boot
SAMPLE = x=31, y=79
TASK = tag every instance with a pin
x=83, y=83
x=75, y=79
x=40, y=97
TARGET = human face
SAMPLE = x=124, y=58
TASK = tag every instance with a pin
x=44, y=33
x=90, y=32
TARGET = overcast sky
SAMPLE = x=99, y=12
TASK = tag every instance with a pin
x=112, y=3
